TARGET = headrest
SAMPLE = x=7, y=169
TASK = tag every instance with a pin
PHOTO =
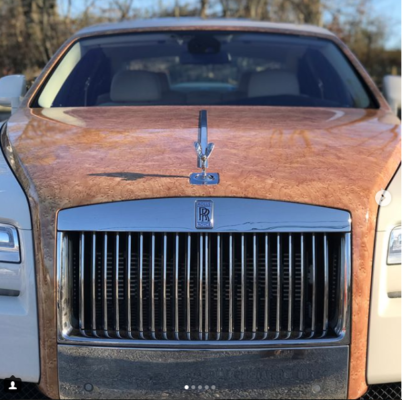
x=273, y=83
x=135, y=86
x=244, y=81
x=164, y=81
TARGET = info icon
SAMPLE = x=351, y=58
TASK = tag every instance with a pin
x=12, y=385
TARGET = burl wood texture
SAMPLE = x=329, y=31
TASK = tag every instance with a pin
x=330, y=157
x=333, y=158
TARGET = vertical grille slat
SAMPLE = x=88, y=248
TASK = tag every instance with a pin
x=243, y=287
x=188, y=294
x=279, y=285
x=140, y=282
x=152, y=293
x=231, y=262
x=93, y=291
x=105, y=299
x=266, y=288
x=326, y=287
x=207, y=293
x=128, y=287
x=82, y=283
x=255, y=266
x=303, y=284
x=176, y=288
x=290, y=306
x=200, y=284
x=218, y=285
x=314, y=288
x=116, y=287
x=164, y=277
x=208, y=286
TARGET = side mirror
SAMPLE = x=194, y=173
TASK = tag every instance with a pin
x=12, y=90
x=392, y=91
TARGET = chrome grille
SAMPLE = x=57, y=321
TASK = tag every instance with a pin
x=204, y=286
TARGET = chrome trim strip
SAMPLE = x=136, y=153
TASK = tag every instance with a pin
x=230, y=328
x=105, y=316
x=62, y=279
x=116, y=286
x=348, y=279
x=345, y=279
x=266, y=292
x=93, y=284
x=164, y=275
x=152, y=294
x=290, y=307
x=251, y=216
x=218, y=286
x=303, y=283
x=140, y=282
x=326, y=286
x=279, y=285
x=176, y=288
x=81, y=285
x=188, y=294
x=63, y=290
x=200, y=284
x=205, y=344
x=255, y=265
x=206, y=324
x=128, y=285
x=314, y=284
x=243, y=288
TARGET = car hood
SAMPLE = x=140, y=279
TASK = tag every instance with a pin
x=328, y=157
x=331, y=157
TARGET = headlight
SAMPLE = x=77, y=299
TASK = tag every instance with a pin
x=394, y=247
x=9, y=244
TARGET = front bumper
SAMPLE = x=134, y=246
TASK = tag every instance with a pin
x=100, y=372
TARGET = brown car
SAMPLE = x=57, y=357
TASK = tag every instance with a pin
x=198, y=208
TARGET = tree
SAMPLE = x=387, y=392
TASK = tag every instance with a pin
x=309, y=11
x=32, y=30
x=123, y=7
x=253, y=9
x=204, y=8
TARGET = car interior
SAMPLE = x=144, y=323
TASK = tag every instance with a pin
x=205, y=69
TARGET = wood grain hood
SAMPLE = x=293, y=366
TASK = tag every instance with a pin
x=330, y=157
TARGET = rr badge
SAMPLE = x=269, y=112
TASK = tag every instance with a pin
x=204, y=214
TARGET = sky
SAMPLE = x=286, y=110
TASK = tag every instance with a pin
x=391, y=10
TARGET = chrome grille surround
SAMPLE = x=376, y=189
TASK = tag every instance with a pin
x=182, y=286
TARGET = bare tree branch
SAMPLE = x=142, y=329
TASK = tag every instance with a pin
x=204, y=8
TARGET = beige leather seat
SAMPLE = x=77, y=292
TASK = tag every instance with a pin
x=169, y=96
x=164, y=82
x=241, y=91
x=273, y=83
x=134, y=87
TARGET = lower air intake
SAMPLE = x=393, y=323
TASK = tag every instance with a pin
x=386, y=391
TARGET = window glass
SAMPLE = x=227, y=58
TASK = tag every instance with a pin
x=204, y=68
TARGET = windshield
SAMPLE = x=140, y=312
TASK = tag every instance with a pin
x=204, y=68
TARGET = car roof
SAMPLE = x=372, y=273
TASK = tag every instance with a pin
x=186, y=22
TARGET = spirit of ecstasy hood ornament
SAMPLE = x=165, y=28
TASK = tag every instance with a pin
x=204, y=150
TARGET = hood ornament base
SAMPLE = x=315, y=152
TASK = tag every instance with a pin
x=204, y=150
x=204, y=179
